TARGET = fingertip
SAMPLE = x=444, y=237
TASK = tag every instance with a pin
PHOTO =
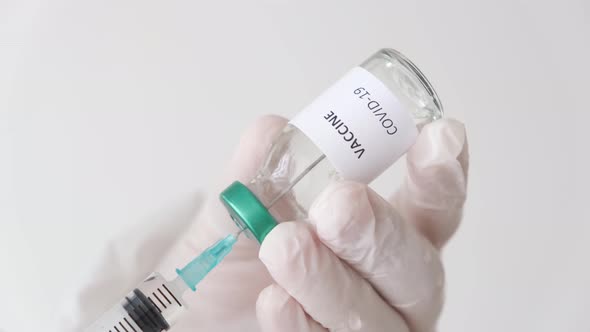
x=436, y=187
x=271, y=300
x=265, y=122
x=439, y=141
x=285, y=248
x=335, y=194
x=340, y=212
x=276, y=310
x=254, y=145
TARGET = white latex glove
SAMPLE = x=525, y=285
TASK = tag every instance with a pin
x=363, y=263
x=359, y=262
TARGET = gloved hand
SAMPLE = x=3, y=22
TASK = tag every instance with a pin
x=359, y=263
x=364, y=263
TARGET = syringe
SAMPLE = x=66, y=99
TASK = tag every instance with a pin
x=156, y=304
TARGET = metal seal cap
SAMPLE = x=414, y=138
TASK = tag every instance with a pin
x=247, y=211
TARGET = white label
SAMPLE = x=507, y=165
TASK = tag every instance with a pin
x=359, y=125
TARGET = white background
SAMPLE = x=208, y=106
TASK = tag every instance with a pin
x=111, y=111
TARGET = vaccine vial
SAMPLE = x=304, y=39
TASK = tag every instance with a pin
x=355, y=130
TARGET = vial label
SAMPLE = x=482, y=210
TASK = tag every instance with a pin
x=359, y=125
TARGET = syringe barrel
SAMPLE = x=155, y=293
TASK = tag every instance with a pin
x=153, y=306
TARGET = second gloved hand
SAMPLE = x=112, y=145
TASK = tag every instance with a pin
x=362, y=263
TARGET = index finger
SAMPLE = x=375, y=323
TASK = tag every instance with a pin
x=435, y=188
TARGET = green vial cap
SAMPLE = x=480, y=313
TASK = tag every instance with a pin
x=247, y=211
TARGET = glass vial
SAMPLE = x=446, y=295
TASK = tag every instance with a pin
x=372, y=112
